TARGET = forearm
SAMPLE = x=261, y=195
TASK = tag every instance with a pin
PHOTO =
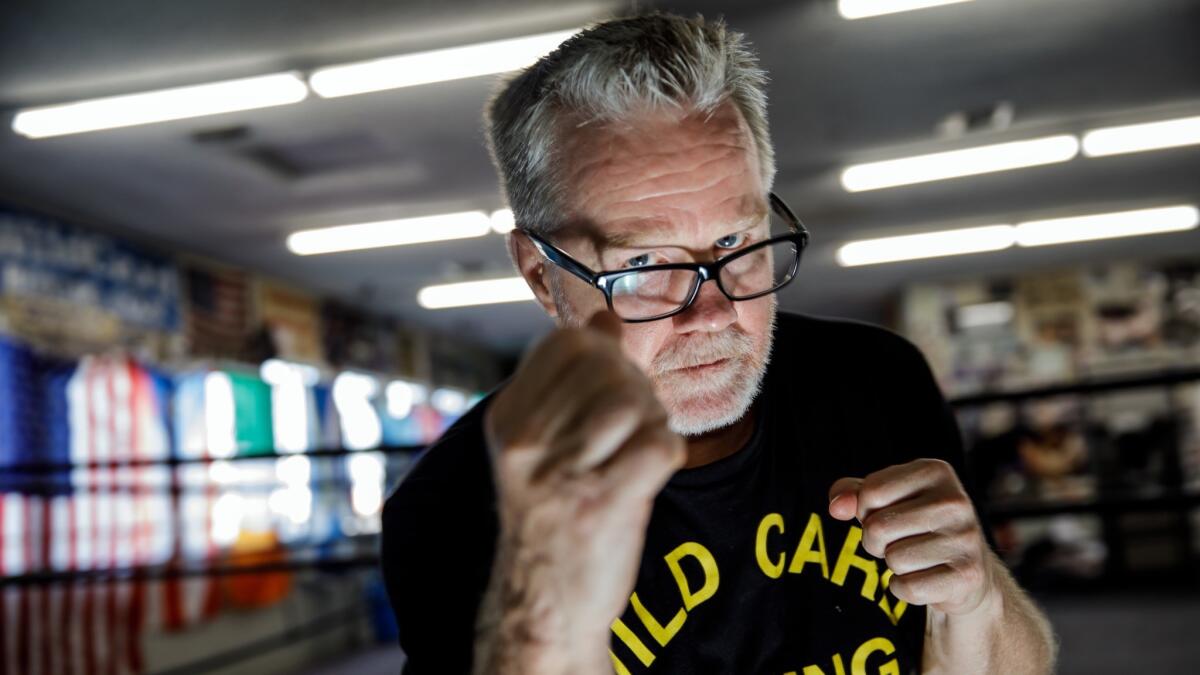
x=1006, y=634
x=521, y=632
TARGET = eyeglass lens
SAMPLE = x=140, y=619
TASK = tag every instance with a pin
x=653, y=293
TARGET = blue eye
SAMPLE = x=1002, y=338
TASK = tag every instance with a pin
x=638, y=261
x=730, y=241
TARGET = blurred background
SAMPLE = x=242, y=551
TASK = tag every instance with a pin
x=204, y=397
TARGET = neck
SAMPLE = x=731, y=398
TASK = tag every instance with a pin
x=720, y=443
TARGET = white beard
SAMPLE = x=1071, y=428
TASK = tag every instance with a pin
x=698, y=404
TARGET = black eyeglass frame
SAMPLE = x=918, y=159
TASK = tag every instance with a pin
x=705, y=271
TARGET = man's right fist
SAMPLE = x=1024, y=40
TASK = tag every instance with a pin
x=580, y=447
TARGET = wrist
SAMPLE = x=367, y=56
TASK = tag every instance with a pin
x=523, y=626
x=517, y=643
x=992, y=605
x=989, y=609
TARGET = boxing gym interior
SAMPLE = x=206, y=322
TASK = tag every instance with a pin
x=207, y=394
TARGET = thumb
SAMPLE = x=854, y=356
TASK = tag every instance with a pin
x=606, y=322
x=843, y=498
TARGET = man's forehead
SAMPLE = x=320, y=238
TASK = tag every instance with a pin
x=680, y=227
x=663, y=179
x=629, y=228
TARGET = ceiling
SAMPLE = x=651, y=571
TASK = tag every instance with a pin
x=231, y=187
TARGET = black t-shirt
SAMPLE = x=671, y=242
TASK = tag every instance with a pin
x=744, y=571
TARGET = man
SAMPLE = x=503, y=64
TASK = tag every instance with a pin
x=647, y=494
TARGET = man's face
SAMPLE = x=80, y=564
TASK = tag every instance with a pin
x=663, y=189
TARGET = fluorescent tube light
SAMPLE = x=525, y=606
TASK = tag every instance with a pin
x=1142, y=137
x=861, y=9
x=468, y=293
x=926, y=245
x=439, y=65
x=503, y=221
x=956, y=163
x=389, y=233
x=160, y=106
x=1107, y=225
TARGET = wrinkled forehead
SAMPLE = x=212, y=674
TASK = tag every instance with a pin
x=684, y=178
x=692, y=226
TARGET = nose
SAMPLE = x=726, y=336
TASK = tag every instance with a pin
x=712, y=312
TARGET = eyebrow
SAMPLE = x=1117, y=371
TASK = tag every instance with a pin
x=629, y=239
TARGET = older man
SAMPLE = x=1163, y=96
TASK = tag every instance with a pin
x=679, y=479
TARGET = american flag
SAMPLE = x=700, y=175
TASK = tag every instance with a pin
x=117, y=516
x=218, y=311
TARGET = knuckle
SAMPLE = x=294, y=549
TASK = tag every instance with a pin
x=637, y=397
x=899, y=552
x=921, y=591
x=616, y=405
x=970, y=574
x=936, y=469
x=951, y=502
x=902, y=588
x=870, y=495
x=570, y=341
x=591, y=364
x=870, y=484
x=631, y=375
x=875, y=545
x=878, y=529
x=967, y=540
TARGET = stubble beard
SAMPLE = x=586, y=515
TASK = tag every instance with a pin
x=718, y=396
x=713, y=398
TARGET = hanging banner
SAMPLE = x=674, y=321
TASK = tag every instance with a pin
x=294, y=322
x=59, y=283
x=218, y=312
x=355, y=339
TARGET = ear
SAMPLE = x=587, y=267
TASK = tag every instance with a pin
x=534, y=268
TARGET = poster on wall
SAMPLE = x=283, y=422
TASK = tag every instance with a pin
x=293, y=320
x=61, y=287
x=218, y=311
x=355, y=339
x=1181, y=325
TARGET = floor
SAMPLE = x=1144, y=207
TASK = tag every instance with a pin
x=1119, y=634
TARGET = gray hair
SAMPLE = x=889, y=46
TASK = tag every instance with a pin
x=606, y=73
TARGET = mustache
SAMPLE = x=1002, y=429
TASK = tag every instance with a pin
x=697, y=351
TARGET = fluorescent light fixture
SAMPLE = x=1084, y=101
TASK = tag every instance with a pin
x=160, y=106
x=439, y=65
x=926, y=245
x=384, y=233
x=861, y=9
x=1142, y=137
x=468, y=293
x=503, y=221
x=956, y=163
x=1108, y=225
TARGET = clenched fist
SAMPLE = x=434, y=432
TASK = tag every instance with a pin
x=919, y=519
x=580, y=447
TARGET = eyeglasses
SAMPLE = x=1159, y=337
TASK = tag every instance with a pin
x=654, y=292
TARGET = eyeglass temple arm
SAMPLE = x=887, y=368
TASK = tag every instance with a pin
x=559, y=258
x=781, y=207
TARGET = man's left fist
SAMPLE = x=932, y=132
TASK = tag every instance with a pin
x=918, y=518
